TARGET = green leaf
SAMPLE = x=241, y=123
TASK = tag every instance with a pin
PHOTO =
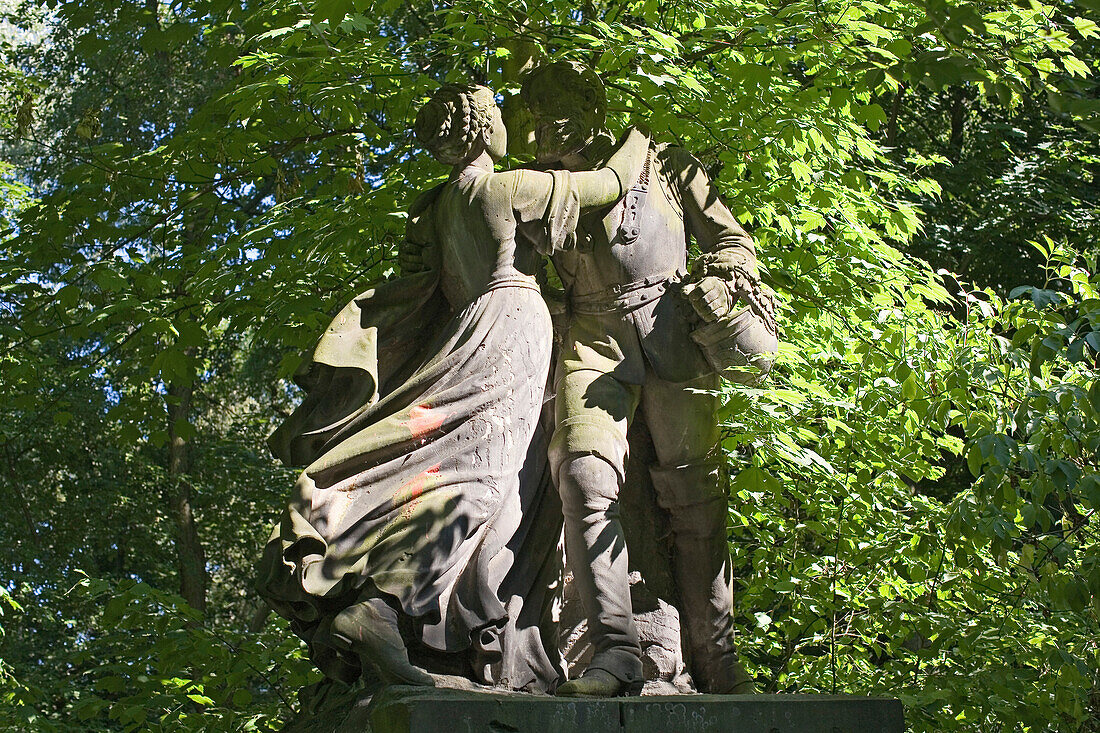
x=1089, y=487
x=1087, y=28
x=331, y=10
x=801, y=171
x=1075, y=67
x=975, y=460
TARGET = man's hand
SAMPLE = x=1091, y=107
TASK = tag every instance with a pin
x=710, y=297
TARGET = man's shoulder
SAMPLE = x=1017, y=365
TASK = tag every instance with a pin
x=675, y=161
x=672, y=166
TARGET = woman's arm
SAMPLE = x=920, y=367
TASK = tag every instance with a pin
x=608, y=184
x=532, y=190
x=556, y=199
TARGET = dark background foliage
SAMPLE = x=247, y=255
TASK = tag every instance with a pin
x=188, y=191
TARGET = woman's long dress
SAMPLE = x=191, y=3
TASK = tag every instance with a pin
x=427, y=478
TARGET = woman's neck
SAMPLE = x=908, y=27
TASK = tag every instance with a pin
x=483, y=161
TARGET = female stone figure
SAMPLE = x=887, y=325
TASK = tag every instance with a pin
x=425, y=514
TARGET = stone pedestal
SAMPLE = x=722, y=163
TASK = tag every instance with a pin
x=425, y=710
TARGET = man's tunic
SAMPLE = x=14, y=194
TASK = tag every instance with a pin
x=627, y=322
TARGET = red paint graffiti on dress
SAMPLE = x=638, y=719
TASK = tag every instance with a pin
x=423, y=420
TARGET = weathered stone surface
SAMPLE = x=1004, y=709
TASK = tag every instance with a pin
x=426, y=516
x=635, y=306
x=418, y=710
x=762, y=714
x=652, y=588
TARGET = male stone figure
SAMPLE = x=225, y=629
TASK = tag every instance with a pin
x=628, y=345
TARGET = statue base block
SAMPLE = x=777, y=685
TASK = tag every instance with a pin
x=420, y=710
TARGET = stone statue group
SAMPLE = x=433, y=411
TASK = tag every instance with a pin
x=450, y=441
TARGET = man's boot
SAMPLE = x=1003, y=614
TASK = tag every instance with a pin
x=695, y=498
x=596, y=554
x=369, y=628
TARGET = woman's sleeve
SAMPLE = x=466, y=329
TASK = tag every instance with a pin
x=546, y=206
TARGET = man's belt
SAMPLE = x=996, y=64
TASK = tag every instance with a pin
x=626, y=297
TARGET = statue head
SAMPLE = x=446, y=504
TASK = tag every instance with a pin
x=568, y=104
x=459, y=122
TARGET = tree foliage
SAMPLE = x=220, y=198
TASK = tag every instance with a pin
x=191, y=189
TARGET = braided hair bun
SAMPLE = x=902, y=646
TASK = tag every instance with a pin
x=449, y=125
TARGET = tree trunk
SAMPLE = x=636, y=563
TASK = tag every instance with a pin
x=190, y=556
x=892, y=123
x=958, y=123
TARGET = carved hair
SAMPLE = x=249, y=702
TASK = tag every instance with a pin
x=566, y=88
x=453, y=120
